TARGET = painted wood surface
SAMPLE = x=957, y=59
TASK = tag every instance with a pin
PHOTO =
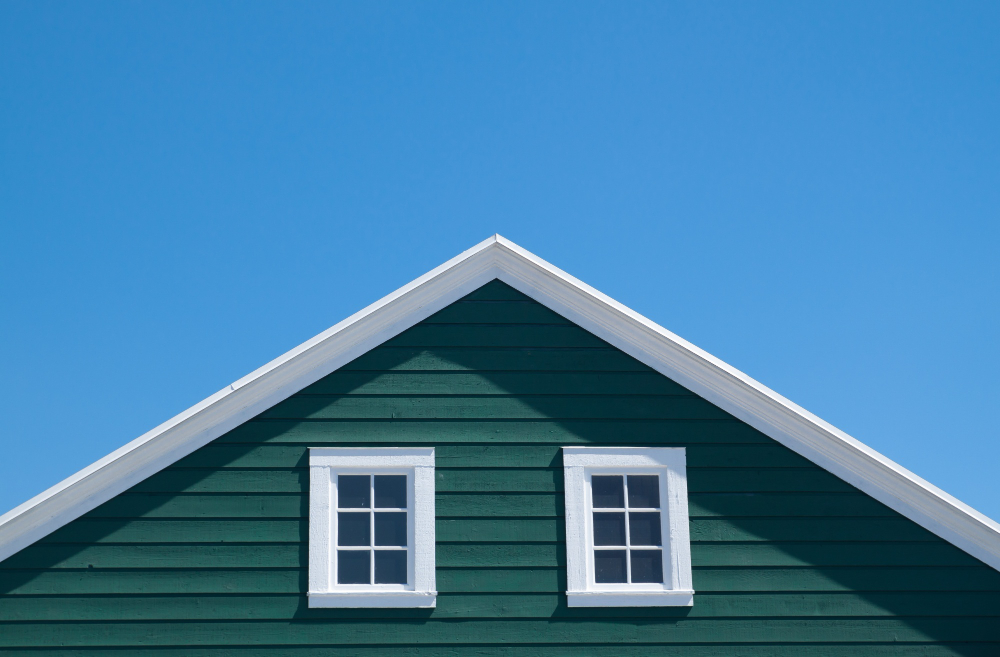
x=209, y=556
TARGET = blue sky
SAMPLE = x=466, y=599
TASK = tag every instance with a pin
x=809, y=191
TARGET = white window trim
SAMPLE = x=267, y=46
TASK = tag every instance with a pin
x=418, y=465
x=579, y=463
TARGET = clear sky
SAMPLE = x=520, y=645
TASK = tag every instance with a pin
x=809, y=191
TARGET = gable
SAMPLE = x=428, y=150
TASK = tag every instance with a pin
x=497, y=258
x=788, y=559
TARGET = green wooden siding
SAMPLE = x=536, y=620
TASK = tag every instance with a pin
x=208, y=557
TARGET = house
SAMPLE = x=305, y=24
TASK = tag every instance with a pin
x=494, y=460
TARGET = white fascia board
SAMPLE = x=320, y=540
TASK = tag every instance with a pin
x=497, y=257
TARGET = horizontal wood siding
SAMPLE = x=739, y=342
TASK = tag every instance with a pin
x=208, y=557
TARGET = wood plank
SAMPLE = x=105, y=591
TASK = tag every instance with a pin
x=522, y=407
x=284, y=505
x=85, y=530
x=857, y=579
x=495, y=480
x=497, y=291
x=501, y=580
x=197, y=480
x=496, y=313
x=223, y=455
x=485, y=359
x=432, y=433
x=97, y=581
x=484, y=335
x=169, y=581
x=483, y=606
x=808, y=554
x=535, y=650
x=808, y=529
x=347, y=382
x=799, y=504
x=512, y=631
x=147, y=556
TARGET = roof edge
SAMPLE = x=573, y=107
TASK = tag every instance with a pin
x=497, y=257
x=754, y=403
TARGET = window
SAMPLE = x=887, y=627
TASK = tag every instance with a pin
x=371, y=527
x=627, y=537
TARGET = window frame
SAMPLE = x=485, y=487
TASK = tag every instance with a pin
x=579, y=465
x=325, y=465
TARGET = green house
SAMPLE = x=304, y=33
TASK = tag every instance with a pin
x=497, y=460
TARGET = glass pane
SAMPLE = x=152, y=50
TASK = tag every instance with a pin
x=609, y=528
x=643, y=528
x=390, y=566
x=390, y=491
x=608, y=492
x=609, y=566
x=644, y=491
x=354, y=566
x=647, y=566
x=353, y=529
x=390, y=528
x=354, y=491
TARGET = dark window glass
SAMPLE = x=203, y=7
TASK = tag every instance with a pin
x=390, y=528
x=647, y=566
x=354, y=491
x=609, y=528
x=644, y=491
x=608, y=492
x=609, y=566
x=353, y=529
x=643, y=528
x=390, y=566
x=354, y=567
x=390, y=491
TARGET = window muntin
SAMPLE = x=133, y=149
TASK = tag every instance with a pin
x=627, y=529
x=371, y=527
x=627, y=526
x=372, y=520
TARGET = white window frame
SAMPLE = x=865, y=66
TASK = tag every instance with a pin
x=325, y=464
x=579, y=464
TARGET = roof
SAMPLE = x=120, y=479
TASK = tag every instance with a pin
x=499, y=258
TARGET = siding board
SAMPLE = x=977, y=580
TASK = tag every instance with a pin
x=510, y=631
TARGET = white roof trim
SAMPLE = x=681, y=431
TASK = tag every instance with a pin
x=496, y=257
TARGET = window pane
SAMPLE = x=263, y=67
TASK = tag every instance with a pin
x=353, y=491
x=390, y=566
x=608, y=492
x=609, y=529
x=644, y=528
x=647, y=566
x=390, y=491
x=609, y=566
x=353, y=529
x=390, y=528
x=354, y=567
x=644, y=491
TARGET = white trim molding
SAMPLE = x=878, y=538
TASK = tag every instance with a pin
x=580, y=465
x=326, y=466
x=499, y=258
